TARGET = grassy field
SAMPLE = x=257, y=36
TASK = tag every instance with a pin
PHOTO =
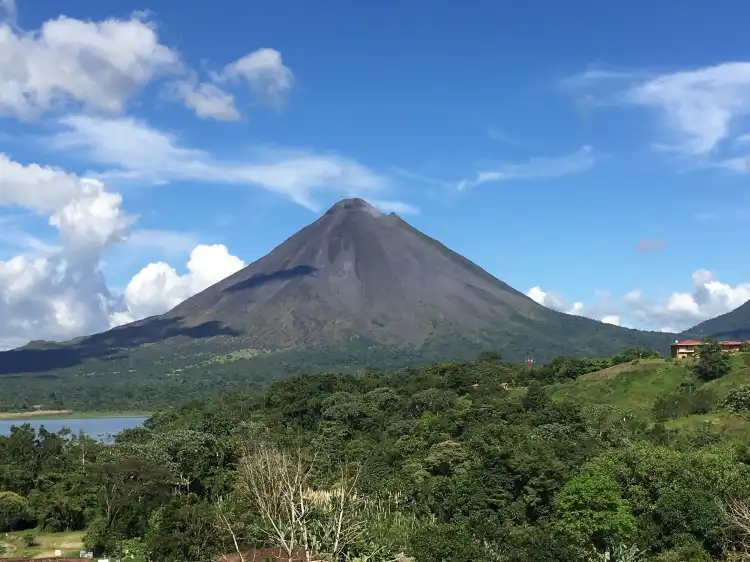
x=13, y=544
x=68, y=414
x=636, y=387
x=632, y=388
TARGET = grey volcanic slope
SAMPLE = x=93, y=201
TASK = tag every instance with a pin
x=734, y=325
x=354, y=275
x=355, y=271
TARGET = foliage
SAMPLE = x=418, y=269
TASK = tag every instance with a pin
x=713, y=362
x=688, y=399
x=591, y=511
x=738, y=400
x=14, y=511
x=477, y=460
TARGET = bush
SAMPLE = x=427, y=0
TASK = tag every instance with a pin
x=738, y=400
x=445, y=543
x=29, y=540
x=691, y=552
x=14, y=512
x=713, y=362
x=686, y=401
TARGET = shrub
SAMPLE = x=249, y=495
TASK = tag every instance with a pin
x=738, y=400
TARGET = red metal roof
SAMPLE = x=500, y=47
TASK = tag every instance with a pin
x=696, y=342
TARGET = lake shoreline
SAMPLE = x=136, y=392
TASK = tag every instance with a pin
x=68, y=414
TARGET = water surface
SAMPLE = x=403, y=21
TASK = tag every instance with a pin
x=99, y=428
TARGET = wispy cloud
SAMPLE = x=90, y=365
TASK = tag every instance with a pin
x=421, y=178
x=536, y=168
x=14, y=236
x=129, y=150
x=701, y=111
x=502, y=137
x=169, y=241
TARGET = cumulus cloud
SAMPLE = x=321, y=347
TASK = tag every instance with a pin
x=62, y=293
x=707, y=298
x=206, y=99
x=158, y=288
x=264, y=72
x=554, y=301
x=99, y=65
x=676, y=312
x=536, y=168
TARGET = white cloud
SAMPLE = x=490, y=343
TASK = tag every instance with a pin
x=502, y=137
x=700, y=105
x=554, y=301
x=100, y=65
x=701, y=108
x=707, y=298
x=536, y=168
x=8, y=11
x=207, y=100
x=398, y=207
x=158, y=288
x=265, y=73
x=680, y=310
x=169, y=241
x=62, y=293
x=130, y=149
x=611, y=319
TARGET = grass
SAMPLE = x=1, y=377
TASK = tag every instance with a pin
x=69, y=415
x=70, y=543
x=636, y=387
x=632, y=388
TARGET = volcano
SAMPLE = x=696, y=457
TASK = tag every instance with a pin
x=355, y=279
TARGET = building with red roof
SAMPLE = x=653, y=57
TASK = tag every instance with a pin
x=687, y=348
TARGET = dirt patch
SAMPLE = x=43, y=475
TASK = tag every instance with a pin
x=34, y=414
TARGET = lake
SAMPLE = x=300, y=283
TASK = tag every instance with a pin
x=99, y=428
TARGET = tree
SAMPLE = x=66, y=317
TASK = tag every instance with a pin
x=184, y=530
x=276, y=485
x=14, y=512
x=713, y=362
x=536, y=398
x=737, y=400
x=591, y=511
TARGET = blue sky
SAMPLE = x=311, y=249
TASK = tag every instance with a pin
x=588, y=149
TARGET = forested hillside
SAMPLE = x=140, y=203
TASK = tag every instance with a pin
x=482, y=460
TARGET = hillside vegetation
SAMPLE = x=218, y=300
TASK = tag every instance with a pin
x=628, y=458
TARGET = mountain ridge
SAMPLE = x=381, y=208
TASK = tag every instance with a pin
x=733, y=325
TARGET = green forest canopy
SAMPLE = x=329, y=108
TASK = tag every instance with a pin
x=481, y=460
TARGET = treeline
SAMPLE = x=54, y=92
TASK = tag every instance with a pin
x=450, y=462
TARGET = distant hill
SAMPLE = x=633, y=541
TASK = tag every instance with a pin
x=734, y=325
x=354, y=288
